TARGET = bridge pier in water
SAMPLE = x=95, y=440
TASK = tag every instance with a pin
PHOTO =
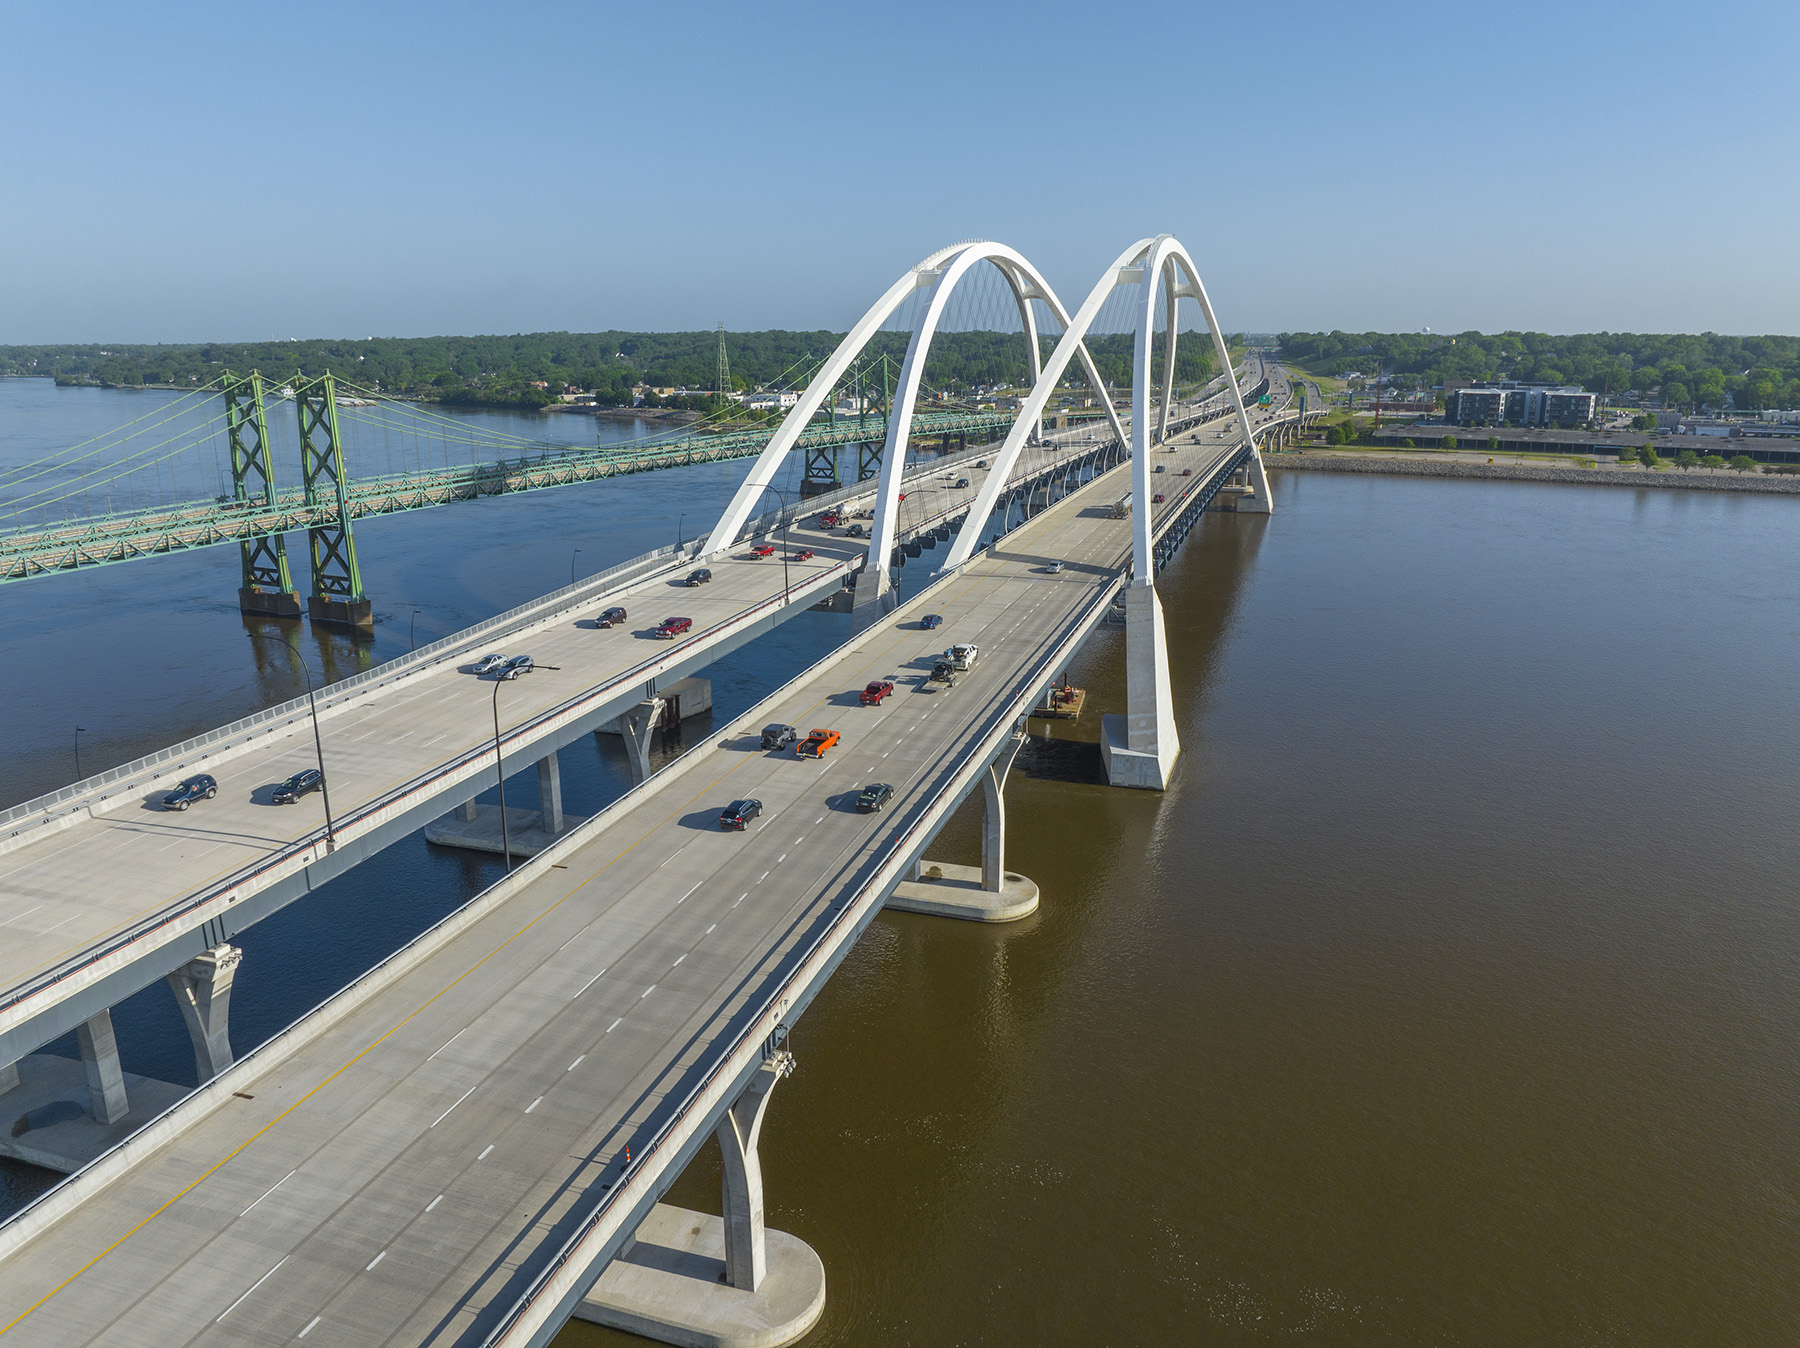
x=527, y=832
x=1140, y=747
x=985, y=893
x=691, y=1278
x=202, y=989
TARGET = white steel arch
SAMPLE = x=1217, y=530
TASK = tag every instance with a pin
x=940, y=271
x=1148, y=264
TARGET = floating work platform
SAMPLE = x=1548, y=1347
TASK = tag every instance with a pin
x=1062, y=703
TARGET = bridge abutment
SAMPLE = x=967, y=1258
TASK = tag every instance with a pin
x=726, y=1282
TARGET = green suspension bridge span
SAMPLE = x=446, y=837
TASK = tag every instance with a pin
x=257, y=511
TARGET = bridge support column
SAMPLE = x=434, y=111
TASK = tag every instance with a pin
x=1140, y=748
x=9, y=1077
x=689, y=1278
x=100, y=1060
x=550, y=807
x=1258, y=481
x=638, y=725
x=202, y=989
x=990, y=892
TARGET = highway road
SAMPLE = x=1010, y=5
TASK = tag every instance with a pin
x=402, y=1177
x=84, y=897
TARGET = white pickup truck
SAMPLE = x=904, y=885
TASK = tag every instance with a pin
x=962, y=657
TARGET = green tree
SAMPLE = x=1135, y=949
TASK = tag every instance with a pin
x=1449, y=442
x=1628, y=454
x=1743, y=463
x=1407, y=444
x=1687, y=459
x=1713, y=461
x=1493, y=443
x=1649, y=456
x=1676, y=394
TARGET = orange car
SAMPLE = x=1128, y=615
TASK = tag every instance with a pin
x=816, y=743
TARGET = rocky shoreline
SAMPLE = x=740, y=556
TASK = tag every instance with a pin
x=1681, y=480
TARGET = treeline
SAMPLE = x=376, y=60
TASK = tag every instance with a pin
x=1704, y=371
x=501, y=371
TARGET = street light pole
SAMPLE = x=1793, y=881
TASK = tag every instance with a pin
x=78, y=730
x=678, y=524
x=572, y=556
x=500, y=773
x=410, y=639
x=318, y=741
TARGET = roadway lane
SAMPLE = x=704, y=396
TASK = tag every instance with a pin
x=70, y=890
x=397, y=1179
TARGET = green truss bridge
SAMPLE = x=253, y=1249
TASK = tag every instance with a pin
x=258, y=513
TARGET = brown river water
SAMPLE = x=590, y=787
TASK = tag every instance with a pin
x=1450, y=996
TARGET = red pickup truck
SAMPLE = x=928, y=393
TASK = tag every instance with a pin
x=872, y=695
x=762, y=550
x=672, y=627
x=804, y=555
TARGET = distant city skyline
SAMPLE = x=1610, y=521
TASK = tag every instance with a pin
x=247, y=175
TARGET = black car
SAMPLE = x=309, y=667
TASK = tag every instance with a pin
x=739, y=813
x=610, y=617
x=873, y=797
x=201, y=787
x=699, y=576
x=290, y=791
x=778, y=736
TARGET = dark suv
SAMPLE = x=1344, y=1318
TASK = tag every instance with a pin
x=201, y=787
x=874, y=796
x=290, y=791
x=610, y=617
x=778, y=736
x=698, y=577
x=737, y=815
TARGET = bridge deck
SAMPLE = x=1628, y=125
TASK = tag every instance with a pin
x=84, y=899
x=404, y=1176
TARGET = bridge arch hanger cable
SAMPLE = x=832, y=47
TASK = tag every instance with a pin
x=1160, y=268
x=938, y=273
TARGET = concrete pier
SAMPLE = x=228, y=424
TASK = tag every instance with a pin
x=356, y=614
x=669, y=1285
x=202, y=989
x=525, y=829
x=1140, y=748
x=47, y=1118
x=946, y=890
x=107, y=1099
x=270, y=603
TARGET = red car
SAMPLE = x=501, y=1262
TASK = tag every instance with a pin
x=804, y=555
x=672, y=627
x=1187, y=472
x=763, y=550
x=1157, y=499
x=872, y=695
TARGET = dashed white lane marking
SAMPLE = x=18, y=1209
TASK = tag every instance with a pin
x=740, y=898
x=484, y=1152
x=376, y=1260
x=781, y=858
x=585, y=986
x=666, y=860
x=577, y=1063
x=819, y=820
x=678, y=960
x=686, y=896
x=799, y=840
x=426, y=744
x=271, y=1189
x=310, y=1324
x=534, y=1104
x=398, y=738
x=615, y=1025
x=434, y=1202
x=446, y=1114
x=759, y=880
x=253, y=1286
x=646, y=992
x=451, y=1040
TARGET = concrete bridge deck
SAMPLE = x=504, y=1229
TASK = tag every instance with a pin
x=92, y=889
x=437, y=1156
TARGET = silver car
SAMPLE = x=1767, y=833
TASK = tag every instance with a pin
x=519, y=664
x=489, y=663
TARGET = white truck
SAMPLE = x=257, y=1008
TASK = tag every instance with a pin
x=962, y=657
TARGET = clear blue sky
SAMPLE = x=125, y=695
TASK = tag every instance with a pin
x=176, y=173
